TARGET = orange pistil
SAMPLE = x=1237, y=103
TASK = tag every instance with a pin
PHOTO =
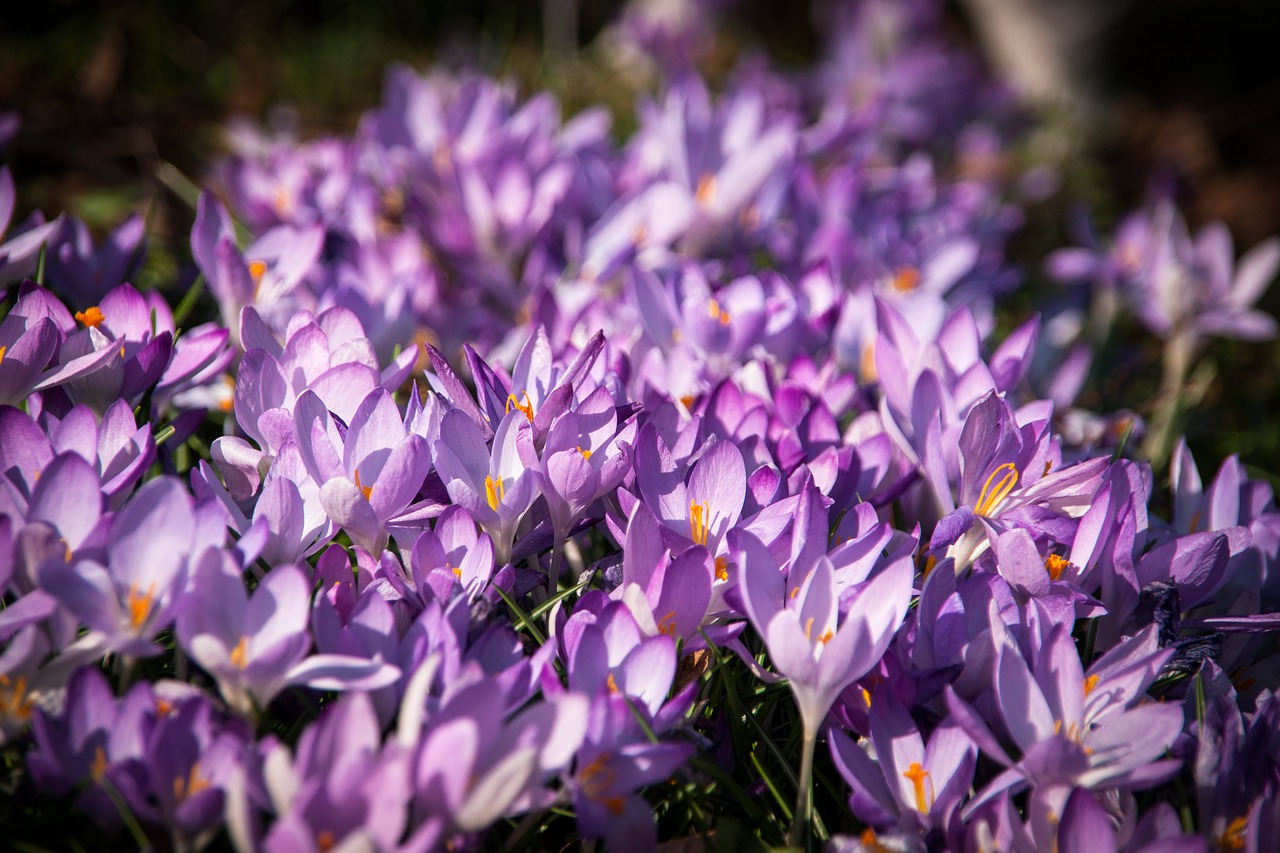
x=688, y=400
x=3, y=350
x=916, y=775
x=722, y=568
x=906, y=279
x=1089, y=684
x=140, y=604
x=826, y=636
x=527, y=407
x=90, y=316
x=163, y=707
x=325, y=840
x=612, y=685
x=1054, y=565
x=586, y=454
x=240, y=654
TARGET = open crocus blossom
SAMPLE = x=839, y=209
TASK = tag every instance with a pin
x=496, y=478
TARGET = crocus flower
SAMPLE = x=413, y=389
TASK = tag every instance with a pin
x=257, y=646
x=496, y=485
x=819, y=653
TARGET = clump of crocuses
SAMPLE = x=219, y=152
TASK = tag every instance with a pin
x=526, y=487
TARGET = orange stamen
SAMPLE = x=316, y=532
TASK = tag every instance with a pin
x=494, y=492
x=989, y=498
x=366, y=490
x=699, y=515
x=722, y=568
x=527, y=408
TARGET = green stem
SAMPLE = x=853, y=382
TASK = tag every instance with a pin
x=804, y=797
x=1178, y=358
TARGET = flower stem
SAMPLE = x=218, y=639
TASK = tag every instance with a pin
x=1178, y=356
x=804, y=798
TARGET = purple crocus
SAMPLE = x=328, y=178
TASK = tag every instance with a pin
x=254, y=647
x=809, y=642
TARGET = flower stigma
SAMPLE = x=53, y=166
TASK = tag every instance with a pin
x=916, y=775
x=527, y=407
x=91, y=316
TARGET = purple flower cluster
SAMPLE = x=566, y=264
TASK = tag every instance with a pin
x=521, y=469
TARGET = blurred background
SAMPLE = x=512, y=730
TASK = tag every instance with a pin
x=105, y=88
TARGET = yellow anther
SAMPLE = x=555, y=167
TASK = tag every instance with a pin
x=808, y=629
x=586, y=454
x=457, y=572
x=1048, y=466
x=716, y=312
x=826, y=636
x=667, y=625
x=280, y=201
x=866, y=697
x=240, y=654
x=906, y=279
x=612, y=685
x=1090, y=683
x=365, y=490
x=527, y=407
x=325, y=840
x=494, y=492
x=699, y=515
x=706, y=191
x=916, y=775
x=163, y=707
x=1055, y=565
x=140, y=604
x=990, y=498
x=90, y=316
x=722, y=568
x=688, y=400
x=3, y=350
